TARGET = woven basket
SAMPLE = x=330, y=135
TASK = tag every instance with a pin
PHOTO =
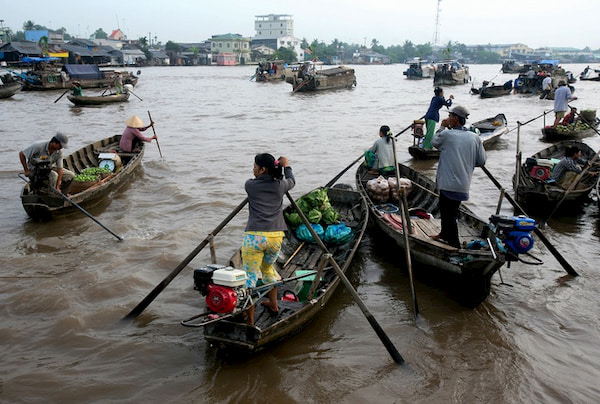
x=77, y=186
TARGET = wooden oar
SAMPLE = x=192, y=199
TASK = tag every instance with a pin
x=129, y=91
x=56, y=100
x=405, y=230
x=157, y=144
x=137, y=310
x=380, y=333
x=566, y=266
x=85, y=212
x=337, y=177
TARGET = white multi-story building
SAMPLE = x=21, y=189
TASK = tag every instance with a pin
x=276, y=31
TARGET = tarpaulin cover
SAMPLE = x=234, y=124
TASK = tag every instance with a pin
x=83, y=71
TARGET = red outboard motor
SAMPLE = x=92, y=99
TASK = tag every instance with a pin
x=224, y=287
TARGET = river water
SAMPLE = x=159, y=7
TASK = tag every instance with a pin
x=65, y=284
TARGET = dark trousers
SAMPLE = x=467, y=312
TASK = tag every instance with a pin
x=449, y=212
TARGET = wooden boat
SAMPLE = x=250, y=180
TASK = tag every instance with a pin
x=265, y=72
x=578, y=129
x=42, y=204
x=512, y=66
x=10, y=89
x=419, y=69
x=490, y=130
x=495, y=91
x=83, y=100
x=590, y=74
x=88, y=76
x=535, y=187
x=318, y=79
x=450, y=73
x=295, y=257
x=467, y=270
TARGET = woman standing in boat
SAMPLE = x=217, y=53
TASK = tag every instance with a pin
x=265, y=229
x=432, y=117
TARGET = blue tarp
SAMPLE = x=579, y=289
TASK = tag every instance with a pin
x=28, y=59
x=83, y=71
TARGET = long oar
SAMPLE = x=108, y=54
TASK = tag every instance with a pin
x=85, y=212
x=137, y=310
x=405, y=229
x=337, y=177
x=129, y=91
x=380, y=333
x=567, y=267
x=56, y=100
x=150, y=117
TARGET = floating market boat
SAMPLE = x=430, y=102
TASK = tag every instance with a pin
x=312, y=77
x=512, y=66
x=585, y=124
x=419, y=69
x=88, y=76
x=84, y=100
x=466, y=271
x=41, y=203
x=10, y=89
x=308, y=281
x=535, y=187
x=451, y=73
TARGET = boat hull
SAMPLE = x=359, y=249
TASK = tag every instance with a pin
x=468, y=272
x=44, y=205
x=295, y=255
x=10, y=89
x=82, y=100
x=326, y=79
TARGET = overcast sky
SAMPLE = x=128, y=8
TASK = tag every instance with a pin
x=552, y=23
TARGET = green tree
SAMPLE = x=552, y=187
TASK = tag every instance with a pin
x=28, y=25
x=43, y=44
x=100, y=34
x=289, y=55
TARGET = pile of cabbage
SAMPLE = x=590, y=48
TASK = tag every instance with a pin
x=324, y=219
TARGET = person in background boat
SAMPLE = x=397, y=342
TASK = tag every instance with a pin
x=380, y=157
x=562, y=96
x=265, y=228
x=508, y=85
x=132, y=135
x=569, y=167
x=76, y=88
x=59, y=177
x=460, y=152
x=118, y=82
x=570, y=117
x=546, y=87
x=432, y=117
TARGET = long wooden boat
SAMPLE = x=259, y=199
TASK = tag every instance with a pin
x=10, y=89
x=83, y=100
x=419, y=69
x=88, y=76
x=535, y=187
x=323, y=79
x=494, y=91
x=576, y=130
x=297, y=257
x=467, y=270
x=490, y=130
x=512, y=66
x=450, y=73
x=42, y=204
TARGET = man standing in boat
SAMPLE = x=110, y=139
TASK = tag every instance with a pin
x=562, y=96
x=118, y=82
x=460, y=152
x=51, y=150
x=546, y=87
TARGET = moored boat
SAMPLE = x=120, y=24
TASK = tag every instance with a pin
x=490, y=130
x=450, y=73
x=312, y=77
x=465, y=271
x=10, y=89
x=83, y=100
x=300, y=299
x=41, y=203
x=535, y=187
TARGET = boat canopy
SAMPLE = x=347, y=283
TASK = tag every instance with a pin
x=77, y=71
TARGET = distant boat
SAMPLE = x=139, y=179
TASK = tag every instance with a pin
x=312, y=77
x=419, y=69
x=512, y=66
x=450, y=73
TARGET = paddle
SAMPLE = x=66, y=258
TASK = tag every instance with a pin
x=405, y=230
x=252, y=77
x=62, y=95
x=567, y=267
x=129, y=91
x=137, y=310
x=337, y=177
x=158, y=145
x=378, y=330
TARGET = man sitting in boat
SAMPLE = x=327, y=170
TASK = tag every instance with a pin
x=132, y=135
x=569, y=167
x=59, y=176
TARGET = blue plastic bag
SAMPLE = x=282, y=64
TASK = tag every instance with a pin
x=304, y=234
x=338, y=234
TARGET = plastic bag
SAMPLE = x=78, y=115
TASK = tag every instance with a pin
x=304, y=234
x=338, y=234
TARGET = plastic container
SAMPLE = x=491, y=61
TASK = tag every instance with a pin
x=229, y=276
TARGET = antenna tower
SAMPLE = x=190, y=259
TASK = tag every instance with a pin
x=437, y=25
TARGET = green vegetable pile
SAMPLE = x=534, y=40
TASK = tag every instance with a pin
x=572, y=127
x=91, y=174
x=317, y=208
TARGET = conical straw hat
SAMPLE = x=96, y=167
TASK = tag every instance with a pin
x=134, y=122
